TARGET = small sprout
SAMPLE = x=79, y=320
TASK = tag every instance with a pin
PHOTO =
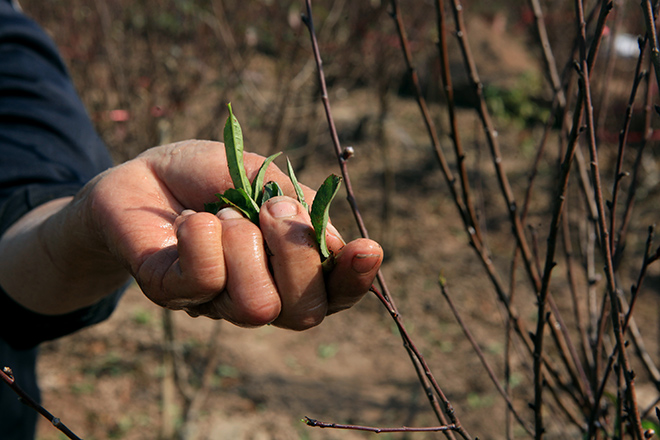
x=248, y=197
x=321, y=211
x=296, y=185
x=271, y=189
x=233, y=137
x=258, y=181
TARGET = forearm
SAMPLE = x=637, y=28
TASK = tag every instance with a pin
x=53, y=263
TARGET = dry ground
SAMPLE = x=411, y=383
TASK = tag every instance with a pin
x=114, y=381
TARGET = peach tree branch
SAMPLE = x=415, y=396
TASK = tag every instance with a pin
x=8, y=377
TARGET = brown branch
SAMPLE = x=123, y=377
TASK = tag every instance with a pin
x=566, y=349
x=555, y=224
x=482, y=358
x=7, y=376
x=649, y=258
x=602, y=224
x=512, y=209
x=548, y=56
x=318, y=424
x=468, y=216
x=417, y=356
x=493, y=143
x=649, y=21
x=418, y=360
x=445, y=73
x=623, y=140
x=632, y=190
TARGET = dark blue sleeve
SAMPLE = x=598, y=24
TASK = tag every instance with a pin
x=48, y=149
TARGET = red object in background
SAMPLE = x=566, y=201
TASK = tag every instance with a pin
x=119, y=115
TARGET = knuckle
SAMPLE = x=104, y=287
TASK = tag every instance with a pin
x=257, y=313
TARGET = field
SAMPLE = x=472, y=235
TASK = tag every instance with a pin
x=156, y=71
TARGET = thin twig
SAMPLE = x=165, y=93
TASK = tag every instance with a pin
x=7, y=376
x=445, y=73
x=548, y=56
x=319, y=424
x=623, y=140
x=602, y=224
x=634, y=181
x=417, y=356
x=505, y=188
x=552, y=241
x=649, y=258
x=469, y=219
x=649, y=21
x=482, y=358
x=493, y=143
x=385, y=297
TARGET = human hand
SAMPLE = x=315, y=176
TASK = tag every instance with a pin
x=147, y=212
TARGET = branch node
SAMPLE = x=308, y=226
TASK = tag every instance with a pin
x=8, y=371
x=347, y=153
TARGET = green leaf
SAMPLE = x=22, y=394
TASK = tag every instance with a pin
x=258, y=181
x=233, y=137
x=321, y=211
x=296, y=185
x=214, y=207
x=239, y=199
x=271, y=189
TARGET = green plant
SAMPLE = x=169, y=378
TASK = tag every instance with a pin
x=249, y=197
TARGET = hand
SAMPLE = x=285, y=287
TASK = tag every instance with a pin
x=147, y=212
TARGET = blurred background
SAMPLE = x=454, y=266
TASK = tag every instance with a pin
x=157, y=71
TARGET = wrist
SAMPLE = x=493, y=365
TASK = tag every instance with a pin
x=54, y=262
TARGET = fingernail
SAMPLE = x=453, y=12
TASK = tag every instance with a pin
x=335, y=232
x=283, y=208
x=228, y=214
x=363, y=263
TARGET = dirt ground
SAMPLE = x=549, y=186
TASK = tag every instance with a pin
x=125, y=379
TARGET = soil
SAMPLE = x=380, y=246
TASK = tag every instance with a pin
x=125, y=379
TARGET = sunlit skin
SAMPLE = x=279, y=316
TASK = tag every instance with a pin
x=145, y=219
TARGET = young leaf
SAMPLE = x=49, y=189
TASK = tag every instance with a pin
x=258, y=181
x=320, y=211
x=271, y=189
x=214, y=207
x=233, y=137
x=239, y=199
x=296, y=185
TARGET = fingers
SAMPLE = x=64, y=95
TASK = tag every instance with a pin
x=190, y=272
x=220, y=268
x=250, y=297
x=291, y=291
x=356, y=266
x=295, y=263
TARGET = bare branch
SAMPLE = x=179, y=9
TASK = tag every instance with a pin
x=7, y=376
x=319, y=424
